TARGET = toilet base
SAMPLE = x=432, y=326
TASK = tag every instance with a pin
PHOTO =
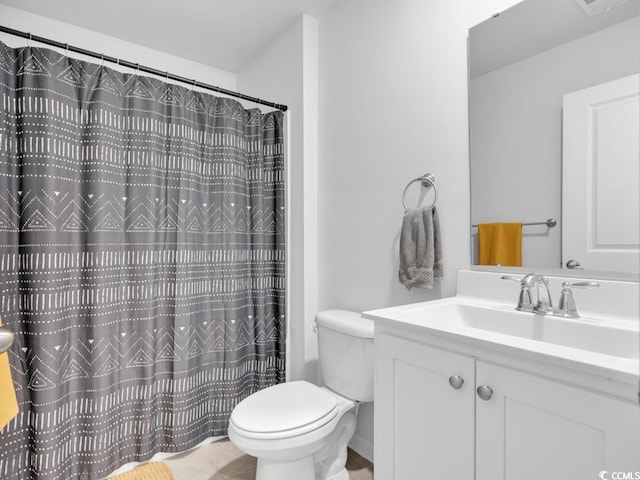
x=301, y=469
x=341, y=475
x=331, y=459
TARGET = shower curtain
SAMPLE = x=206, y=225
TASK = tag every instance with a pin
x=141, y=263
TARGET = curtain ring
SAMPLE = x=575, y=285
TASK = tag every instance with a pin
x=102, y=58
x=29, y=41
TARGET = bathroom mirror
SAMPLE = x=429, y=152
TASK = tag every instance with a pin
x=523, y=64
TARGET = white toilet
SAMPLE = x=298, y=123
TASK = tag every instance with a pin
x=299, y=431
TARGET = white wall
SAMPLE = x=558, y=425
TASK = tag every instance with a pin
x=393, y=105
x=285, y=71
x=390, y=82
x=111, y=46
x=516, y=129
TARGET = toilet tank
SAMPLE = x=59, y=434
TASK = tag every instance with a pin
x=345, y=350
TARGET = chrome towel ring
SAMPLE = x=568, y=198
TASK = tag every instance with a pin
x=427, y=180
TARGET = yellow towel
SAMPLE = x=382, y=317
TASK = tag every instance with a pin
x=500, y=244
x=148, y=471
x=8, y=401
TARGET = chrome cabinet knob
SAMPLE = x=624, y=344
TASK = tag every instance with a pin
x=485, y=392
x=456, y=381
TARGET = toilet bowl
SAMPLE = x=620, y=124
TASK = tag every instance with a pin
x=299, y=431
x=290, y=428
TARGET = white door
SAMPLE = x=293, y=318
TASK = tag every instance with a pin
x=424, y=412
x=600, y=176
x=531, y=428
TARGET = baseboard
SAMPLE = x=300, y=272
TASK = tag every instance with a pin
x=362, y=446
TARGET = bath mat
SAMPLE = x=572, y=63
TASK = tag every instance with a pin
x=148, y=471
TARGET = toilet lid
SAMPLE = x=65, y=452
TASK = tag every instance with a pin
x=299, y=406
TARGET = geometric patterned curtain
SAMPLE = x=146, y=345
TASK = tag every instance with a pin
x=141, y=263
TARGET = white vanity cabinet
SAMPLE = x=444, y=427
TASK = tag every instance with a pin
x=530, y=426
x=423, y=426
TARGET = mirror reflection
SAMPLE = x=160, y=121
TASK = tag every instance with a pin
x=553, y=111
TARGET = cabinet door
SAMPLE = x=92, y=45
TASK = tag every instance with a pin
x=424, y=428
x=534, y=428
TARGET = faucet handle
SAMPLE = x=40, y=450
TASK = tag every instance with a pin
x=525, y=298
x=580, y=285
x=511, y=278
x=567, y=304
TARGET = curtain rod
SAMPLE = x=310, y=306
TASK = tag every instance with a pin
x=141, y=68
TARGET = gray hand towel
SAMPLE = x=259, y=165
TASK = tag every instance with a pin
x=420, y=248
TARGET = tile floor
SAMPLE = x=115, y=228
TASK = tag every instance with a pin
x=221, y=460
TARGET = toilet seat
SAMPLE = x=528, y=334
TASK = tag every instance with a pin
x=285, y=410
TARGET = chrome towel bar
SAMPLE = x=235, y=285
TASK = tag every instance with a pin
x=550, y=222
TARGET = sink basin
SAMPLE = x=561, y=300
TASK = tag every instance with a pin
x=582, y=333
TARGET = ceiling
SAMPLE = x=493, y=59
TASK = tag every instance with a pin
x=224, y=34
x=534, y=26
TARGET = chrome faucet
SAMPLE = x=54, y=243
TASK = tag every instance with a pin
x=543, y=304
x=528, y=284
